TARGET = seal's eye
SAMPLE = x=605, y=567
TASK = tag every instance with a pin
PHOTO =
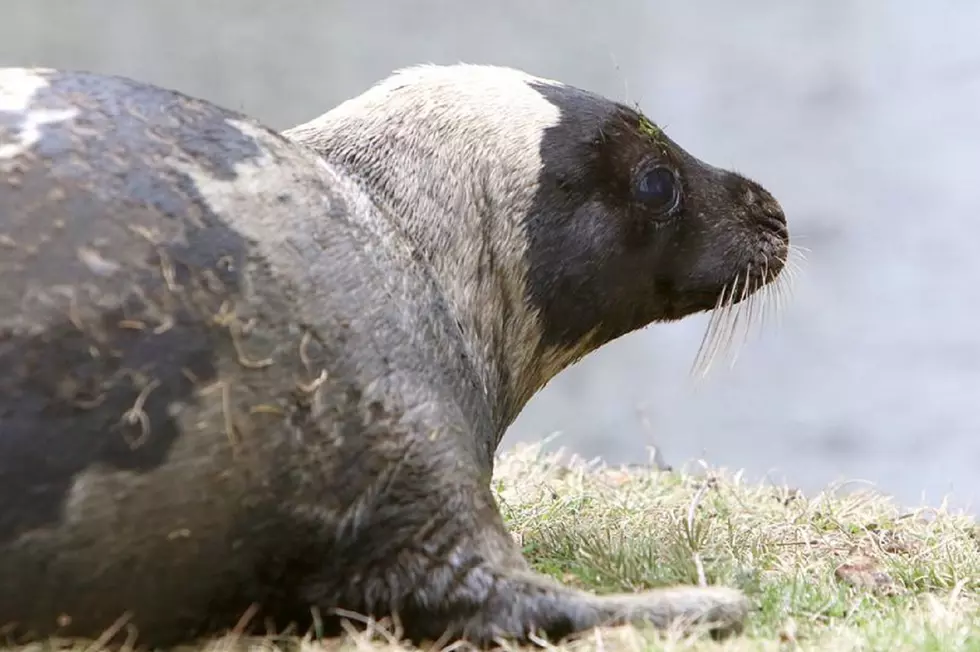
x=657, y=188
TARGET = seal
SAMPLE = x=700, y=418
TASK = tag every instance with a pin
x=258, y=379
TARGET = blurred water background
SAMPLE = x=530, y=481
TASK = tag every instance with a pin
x=861, y=116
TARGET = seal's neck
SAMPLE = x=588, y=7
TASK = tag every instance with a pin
x=451, y=157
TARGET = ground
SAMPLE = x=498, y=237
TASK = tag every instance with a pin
x=841, y=570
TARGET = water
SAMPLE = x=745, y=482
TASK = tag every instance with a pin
x=861, y=117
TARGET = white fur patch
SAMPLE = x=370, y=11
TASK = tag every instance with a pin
x=249, y=200
x=288, y=236
x=452, y=154
x=18, y=88
x=257, y=175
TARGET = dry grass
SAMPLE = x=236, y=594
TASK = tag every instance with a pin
x=833, y=571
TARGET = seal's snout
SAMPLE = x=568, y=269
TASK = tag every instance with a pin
x=766, y=212
x=762, y=222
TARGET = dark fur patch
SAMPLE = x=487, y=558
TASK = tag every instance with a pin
x=91, y=365
x=598, y=257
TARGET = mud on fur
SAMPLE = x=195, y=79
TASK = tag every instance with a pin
x=244, y=372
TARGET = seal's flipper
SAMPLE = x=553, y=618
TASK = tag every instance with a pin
x=463, y=576
x=490, y=605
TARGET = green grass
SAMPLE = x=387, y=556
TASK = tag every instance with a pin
x=834, y=571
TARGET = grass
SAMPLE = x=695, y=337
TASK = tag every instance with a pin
x=834, y=571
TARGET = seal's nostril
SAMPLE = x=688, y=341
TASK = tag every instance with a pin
x=773, y=222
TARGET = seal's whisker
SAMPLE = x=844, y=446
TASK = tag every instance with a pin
x=783, y=288
x=767, y=298
x=769, y=301
x=795, y=258
x=791, y=270
x=776, y=295
x=701, y=360
x=756, y=308
x=758, y=300
x=740, y=334
x=731, y=349
x=729, y=322
x=726, y=322
x=709, y=342
x=754, y=300
x=745, y=306
x=752, y=307
x=785, y=280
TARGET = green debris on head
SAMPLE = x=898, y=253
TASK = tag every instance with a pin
x=653, y=132
x=650, y=129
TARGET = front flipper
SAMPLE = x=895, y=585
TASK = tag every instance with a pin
x=462, y=576
x=491, y=604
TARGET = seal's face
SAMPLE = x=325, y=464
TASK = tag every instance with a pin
x=629, y=229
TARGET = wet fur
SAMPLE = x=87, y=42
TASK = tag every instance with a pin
x=236, y=370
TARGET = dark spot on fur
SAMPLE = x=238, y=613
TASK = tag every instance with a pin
x=65, y=401
x=93, y=368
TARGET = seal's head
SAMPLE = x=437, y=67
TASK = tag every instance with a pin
x=554, y=219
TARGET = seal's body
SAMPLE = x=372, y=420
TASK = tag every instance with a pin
x=251, y=373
